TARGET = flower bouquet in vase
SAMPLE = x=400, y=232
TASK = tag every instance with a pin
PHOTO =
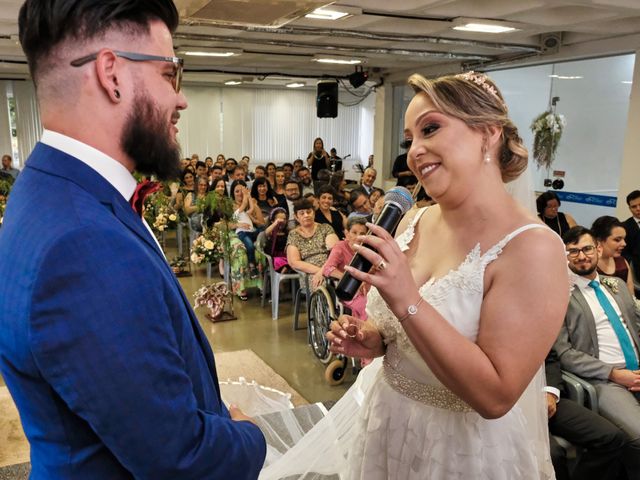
x=218, y=299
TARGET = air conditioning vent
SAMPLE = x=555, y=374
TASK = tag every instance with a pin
x=257, y=13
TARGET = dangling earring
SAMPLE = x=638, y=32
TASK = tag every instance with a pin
x=116, y=93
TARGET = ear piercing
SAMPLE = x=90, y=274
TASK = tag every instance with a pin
x=116, y=93
x=487, y=158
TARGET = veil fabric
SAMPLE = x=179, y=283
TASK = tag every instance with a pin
x=294, y=452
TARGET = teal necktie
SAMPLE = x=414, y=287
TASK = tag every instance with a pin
x=625, y=342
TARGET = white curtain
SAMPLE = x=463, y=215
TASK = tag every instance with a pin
x=5, y=128
x=270, y=125
x=28, y=125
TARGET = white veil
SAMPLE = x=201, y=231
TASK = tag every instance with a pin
x=294, y=451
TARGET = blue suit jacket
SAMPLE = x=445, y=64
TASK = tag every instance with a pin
x=99, y=345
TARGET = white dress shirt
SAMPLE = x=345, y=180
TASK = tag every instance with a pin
x=110, y=169
x=608, y=343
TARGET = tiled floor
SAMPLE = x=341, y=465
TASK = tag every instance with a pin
x=275, y=342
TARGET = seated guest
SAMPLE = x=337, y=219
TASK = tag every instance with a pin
x=610, y=235
x=201, y=169
x=632, y=225
x=208, y=162
x=262, y=193
x=260, y=172
x=329, y=215
x=245, y=166
x=276, y=235
x=340, y=196
x=218, y=187
x=271, y=174
x=368, y=178
x=230, y=164
x=547, y=205
x=377, y=209
x=220, y=160
x=292, y=194
x=190, y=206
x=335, y=162
x=312, y=198
x=287, y=168
x=601, y=440
x=187, y=185
x=304, y=177
x=7, y=168
x=309, y=243
x=599, y=341
x=278, y=188
x=360, y=206
x=375, y=194
x=297, y=165
x=237, y=173
x=341, y=255
x=247, y=216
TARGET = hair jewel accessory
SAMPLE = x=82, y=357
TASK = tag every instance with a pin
x=480, y=79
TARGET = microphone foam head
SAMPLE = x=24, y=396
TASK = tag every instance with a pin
x=401, y=197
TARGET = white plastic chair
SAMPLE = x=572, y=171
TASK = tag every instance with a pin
x=272, y=279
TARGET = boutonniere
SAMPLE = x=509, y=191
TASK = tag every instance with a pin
x=610, y=282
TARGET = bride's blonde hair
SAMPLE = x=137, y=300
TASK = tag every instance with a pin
x=475, y=99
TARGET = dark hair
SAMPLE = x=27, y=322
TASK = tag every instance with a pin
x=543, y=199
x=287, y=164
x=260, y=167
x=308, y=195
x=336, y=179
x=355, y=194
x=303, y=169
x=302, y=204
x=376, y=189
x=43, y=26
x=215, y=184
x=230, y=159
x=216, y=167
x=261, y=181
x=602, y=227
x=276, y=211
x=574, y=233
x=200, y=163
x=187, y=171
x=326, y=189
x=296, y=183
x=234, y=184
x=266, y=167
x=298, y=160
x=632, y=196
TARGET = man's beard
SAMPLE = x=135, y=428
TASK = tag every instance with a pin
x=583, y=270
x=147, y=141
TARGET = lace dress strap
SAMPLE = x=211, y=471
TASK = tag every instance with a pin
x=493, y=253
x=404, y=239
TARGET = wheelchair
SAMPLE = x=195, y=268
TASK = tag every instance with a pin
x=324, y=307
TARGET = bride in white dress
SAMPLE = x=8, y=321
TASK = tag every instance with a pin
x=465, y=306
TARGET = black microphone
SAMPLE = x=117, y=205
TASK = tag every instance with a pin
x=397, y=202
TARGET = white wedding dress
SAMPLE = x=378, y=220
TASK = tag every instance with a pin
x=399, y=422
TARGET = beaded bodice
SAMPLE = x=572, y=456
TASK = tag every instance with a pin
x=457, y=296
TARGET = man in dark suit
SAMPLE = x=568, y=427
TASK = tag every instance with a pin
x=632, y=225
x=601, y=440
x=599, y=341
x=99, y=346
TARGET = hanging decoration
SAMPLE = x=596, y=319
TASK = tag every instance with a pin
x=547, y=129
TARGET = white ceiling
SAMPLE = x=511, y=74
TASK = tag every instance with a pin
x=392, y=37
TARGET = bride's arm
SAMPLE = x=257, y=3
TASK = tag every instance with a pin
x=525, y=301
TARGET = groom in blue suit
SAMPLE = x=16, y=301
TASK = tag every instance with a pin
x=99, y=346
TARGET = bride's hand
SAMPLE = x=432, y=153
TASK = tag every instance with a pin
x=355, y=338
x=390, y=268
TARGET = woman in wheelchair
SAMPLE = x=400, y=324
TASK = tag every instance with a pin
x=309, y=244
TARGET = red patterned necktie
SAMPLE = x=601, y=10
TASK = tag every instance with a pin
x=143, y=189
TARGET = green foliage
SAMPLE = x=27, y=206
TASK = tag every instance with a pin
x=547, y=129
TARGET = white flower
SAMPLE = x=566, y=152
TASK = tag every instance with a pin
x=172, y=217
x=610, y=282
x=208, y=245
x=194, y=257
x=161, y=228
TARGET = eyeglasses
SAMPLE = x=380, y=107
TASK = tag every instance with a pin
x=575, y=252
x=178, y=63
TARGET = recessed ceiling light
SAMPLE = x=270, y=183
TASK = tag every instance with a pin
x=484, y=28
x=566, y=77
x=212, y=53
x=628, y=82
x=337, y=60
x=233, y=82
x=295, y=85
x=325, y=14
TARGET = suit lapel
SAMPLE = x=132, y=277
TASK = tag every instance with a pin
x=627, y=310
x=591, y=321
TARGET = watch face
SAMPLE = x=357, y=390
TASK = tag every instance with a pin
x=412, y=310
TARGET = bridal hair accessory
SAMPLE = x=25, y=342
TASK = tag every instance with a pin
x=480, y=79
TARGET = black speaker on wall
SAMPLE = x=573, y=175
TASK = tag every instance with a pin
x=327, y=99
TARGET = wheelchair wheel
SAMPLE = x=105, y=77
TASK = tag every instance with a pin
x=335, y=372
x=321, y=313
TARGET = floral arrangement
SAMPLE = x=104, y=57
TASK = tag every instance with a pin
x=165, y=218
x=208, y=247
x=158, y=212
x=610, y=282
x=5, y=188
x=215, y=297
x=547, y=130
